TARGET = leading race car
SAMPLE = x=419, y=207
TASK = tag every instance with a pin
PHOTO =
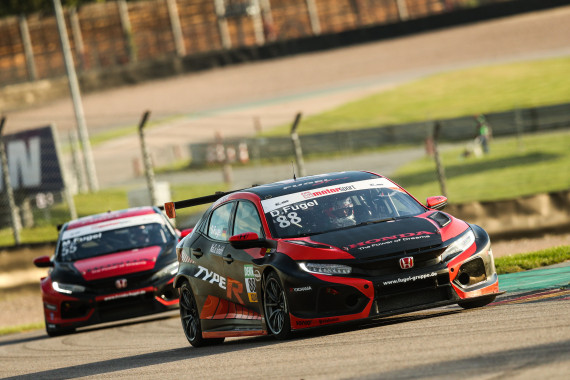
x=110, y=266
x=322, y=250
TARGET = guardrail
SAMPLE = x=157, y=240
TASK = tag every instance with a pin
x=521, y=121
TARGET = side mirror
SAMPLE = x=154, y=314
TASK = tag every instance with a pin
x=437, y=202
x=250, y=240
x=43, y=262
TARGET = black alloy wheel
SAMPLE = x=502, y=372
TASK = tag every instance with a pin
x=191, y=319
x=276, y=308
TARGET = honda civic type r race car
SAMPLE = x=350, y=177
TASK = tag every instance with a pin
x=321, y=250
x=108, y=267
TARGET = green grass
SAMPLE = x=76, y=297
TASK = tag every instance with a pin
x=532, y=260
x=87, y=204
x=541, y=166
x=452, y=94
x=21, y=328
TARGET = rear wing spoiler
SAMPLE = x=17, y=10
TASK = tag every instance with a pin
x=171, y=207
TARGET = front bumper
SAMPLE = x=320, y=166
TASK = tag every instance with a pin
x=71, y=311
x=333, y=299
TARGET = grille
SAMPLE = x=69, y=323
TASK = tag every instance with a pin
x=118, y=308
x=414, y=299
x=424, y=257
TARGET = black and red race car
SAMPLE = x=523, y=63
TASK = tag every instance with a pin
x=322, y=250
x=108, y=267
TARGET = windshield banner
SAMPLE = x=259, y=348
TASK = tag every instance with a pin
x=112, y=225
x=278, y=202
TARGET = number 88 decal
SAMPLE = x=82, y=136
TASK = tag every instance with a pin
x=286, y=221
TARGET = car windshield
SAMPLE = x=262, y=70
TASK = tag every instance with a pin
x=337, y=207
x=98, y=243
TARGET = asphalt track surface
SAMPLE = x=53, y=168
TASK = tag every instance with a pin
x=522, y=335
x=525, y=334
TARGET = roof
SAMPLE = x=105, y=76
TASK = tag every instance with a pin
x=307, y=183
x=110, y=215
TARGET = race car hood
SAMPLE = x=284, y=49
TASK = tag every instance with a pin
x=116, y=264
x=384, y=238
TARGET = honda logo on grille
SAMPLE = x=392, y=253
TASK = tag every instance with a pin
x=121, y=283
x=406, y=262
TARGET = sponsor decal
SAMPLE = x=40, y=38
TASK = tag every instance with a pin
x=257, y=275
x=233, y=288
x=389, y=240
x=403, y=280
x=287, y=215
x=69, y=246
x=295, y=207
x=121, y=283
x=301, y=289
x=271, y=204
x=304, y=323
x=326, y=321
x=217, y=249
x=250, y=284
x=124, y=295
x=313, y=183
x=210, y=276
x=112, y=225
x=114, y=266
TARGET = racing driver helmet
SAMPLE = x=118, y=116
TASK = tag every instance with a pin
x=343, y=213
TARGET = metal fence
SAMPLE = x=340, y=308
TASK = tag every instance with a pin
x=117, y=33
x=460, y=129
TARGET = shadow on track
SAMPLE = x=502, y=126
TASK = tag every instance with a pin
x=107, y=367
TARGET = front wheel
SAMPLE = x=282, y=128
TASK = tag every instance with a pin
x=191, y=319
x=276, y=308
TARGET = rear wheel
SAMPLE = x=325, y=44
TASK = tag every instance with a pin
x=191, y=319
x=479, y=302
x=276, y=308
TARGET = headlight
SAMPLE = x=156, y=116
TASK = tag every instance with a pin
x=169, y=270
x=328, y=269
x=465, y=241
x=67, y=288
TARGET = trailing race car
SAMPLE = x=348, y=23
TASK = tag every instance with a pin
x=108, y=267
x=322, y=250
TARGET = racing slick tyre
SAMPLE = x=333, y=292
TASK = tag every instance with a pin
x=479, y=302
x=58, y=331
x=276, y=308
x=191, y=319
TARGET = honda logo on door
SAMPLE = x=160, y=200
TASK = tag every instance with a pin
x=121, y=283
x=406, y=262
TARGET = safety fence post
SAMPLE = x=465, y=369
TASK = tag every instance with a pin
x=14, y=212
x=297, y=146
